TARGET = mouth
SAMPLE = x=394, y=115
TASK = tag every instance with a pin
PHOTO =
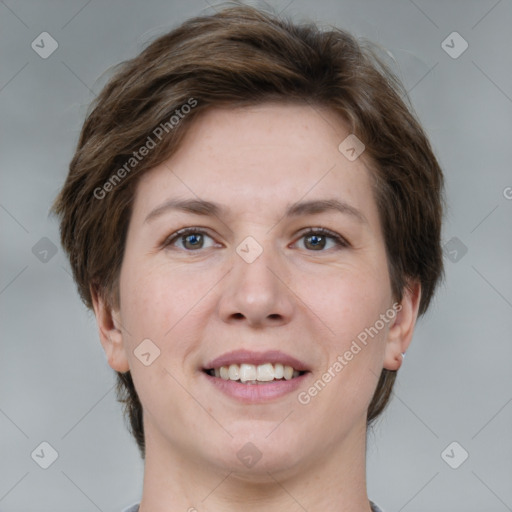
x=252, y=377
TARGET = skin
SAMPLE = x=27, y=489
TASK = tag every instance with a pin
x=197, y=304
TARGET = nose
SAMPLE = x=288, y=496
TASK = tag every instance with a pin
x=256, y=293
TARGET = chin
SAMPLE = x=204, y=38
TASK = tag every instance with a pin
x=254, y=455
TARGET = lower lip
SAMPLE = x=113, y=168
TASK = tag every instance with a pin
x=254, y=393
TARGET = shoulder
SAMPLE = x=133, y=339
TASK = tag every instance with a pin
x=375, y=508
x=135, y=508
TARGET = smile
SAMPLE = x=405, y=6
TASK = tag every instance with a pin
x=256, y=377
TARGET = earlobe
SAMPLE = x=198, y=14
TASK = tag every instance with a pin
x=111, y=335
x=401, y=332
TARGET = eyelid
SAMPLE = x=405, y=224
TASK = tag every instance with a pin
x=340, y=240
x=173, y=237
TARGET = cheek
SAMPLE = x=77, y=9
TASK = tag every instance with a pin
x=346, y=300
x=158, y=304
x=350, y=303
x=161, y=301
x=344, y=386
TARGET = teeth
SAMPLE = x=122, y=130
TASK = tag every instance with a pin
x=234, y=372
x=265, y=372
x=251, y=374
x=247, y=372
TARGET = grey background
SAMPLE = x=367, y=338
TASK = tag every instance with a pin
x=455, y=385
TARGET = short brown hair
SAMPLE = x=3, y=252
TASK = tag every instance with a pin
x=236, y=57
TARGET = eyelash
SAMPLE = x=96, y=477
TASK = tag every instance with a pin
x=339, y=240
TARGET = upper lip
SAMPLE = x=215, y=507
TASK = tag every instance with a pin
x=256, y=358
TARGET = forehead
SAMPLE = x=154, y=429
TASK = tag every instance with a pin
x=273, y=154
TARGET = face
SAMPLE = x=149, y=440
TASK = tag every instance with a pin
x=283, y=264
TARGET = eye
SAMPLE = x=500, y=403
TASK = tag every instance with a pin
x=319, y=238
x=193, y=239
x=190, y=238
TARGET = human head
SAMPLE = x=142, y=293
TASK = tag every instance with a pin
x=240, y=57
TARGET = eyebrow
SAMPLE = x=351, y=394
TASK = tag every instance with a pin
x=209, y=208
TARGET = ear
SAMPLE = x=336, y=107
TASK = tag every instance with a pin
x=111, y=335
x=400, y=333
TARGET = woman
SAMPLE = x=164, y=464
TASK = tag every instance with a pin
x=254, y=215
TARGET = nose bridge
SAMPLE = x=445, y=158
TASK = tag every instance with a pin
x=255, y=290
x=254, y=267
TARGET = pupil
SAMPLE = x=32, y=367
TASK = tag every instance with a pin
x=316, y=241
x=194, y=240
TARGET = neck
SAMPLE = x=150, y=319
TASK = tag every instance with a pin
x=177, y=480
